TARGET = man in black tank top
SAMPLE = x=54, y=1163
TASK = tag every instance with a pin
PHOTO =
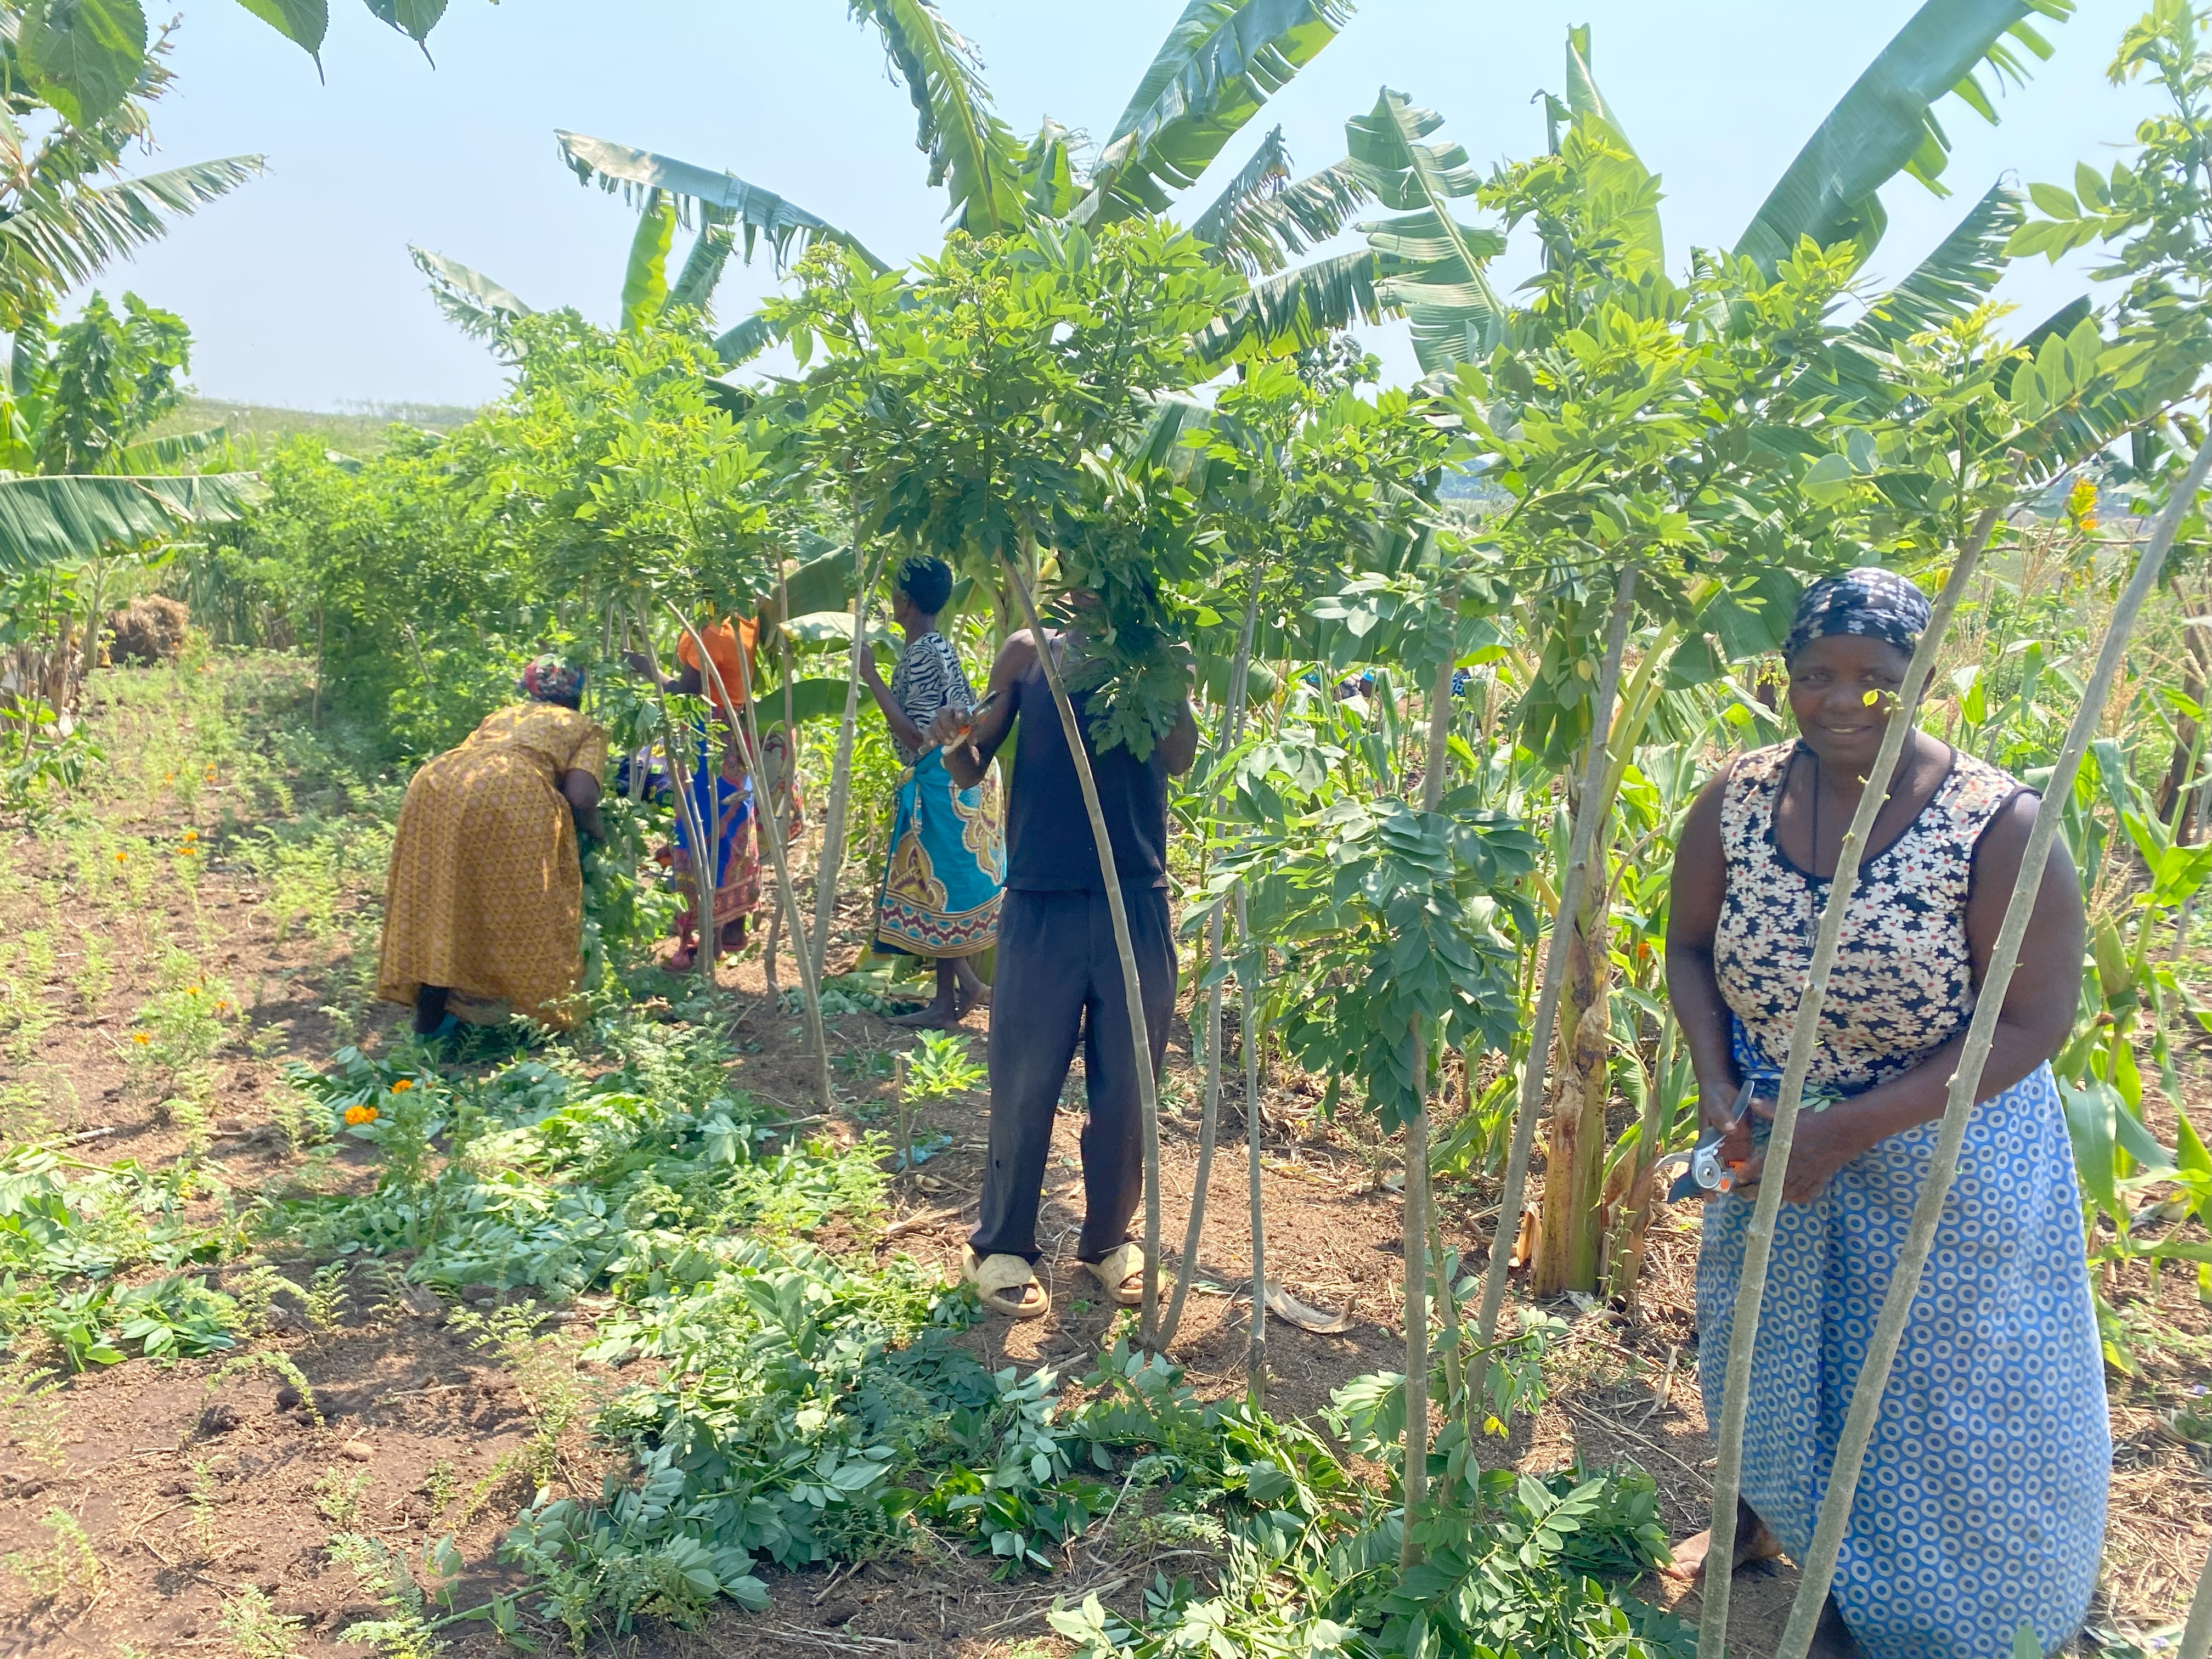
x=1059, y=976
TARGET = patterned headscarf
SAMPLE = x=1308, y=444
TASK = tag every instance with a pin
x=550, y=680
x=1870, y=601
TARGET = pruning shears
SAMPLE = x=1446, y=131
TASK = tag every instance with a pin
x=1702, y=1172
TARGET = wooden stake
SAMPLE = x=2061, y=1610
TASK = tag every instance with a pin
x=2196, y=1634
x=1232, y=719
x=1414, y=1480
x=840, y=776
x=809, y=985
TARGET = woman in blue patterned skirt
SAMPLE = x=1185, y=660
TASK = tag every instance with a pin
x=1981, y=1504
x=939, y=898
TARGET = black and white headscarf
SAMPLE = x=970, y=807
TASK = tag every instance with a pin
x=1870, y=601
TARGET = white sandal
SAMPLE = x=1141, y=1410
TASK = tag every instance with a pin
x=1120, y=1274
x=996, y=1276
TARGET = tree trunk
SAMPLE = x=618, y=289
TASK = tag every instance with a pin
x=1965, y=1078
x=1414, y=1483
x=764, y=816
x=1581, y=834
x=1232, y=720
x=841, y=779
x=1131, y=984
x=1804, y=1033
x=1569, y=1242
x=1416, y=1220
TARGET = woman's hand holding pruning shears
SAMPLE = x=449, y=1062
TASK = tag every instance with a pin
x=1823, y=1143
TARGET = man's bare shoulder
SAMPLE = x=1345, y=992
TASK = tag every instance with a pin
x=1016, y=655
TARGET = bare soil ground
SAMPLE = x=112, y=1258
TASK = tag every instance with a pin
x=188, y=1488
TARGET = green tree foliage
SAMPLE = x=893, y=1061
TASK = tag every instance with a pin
x=1011, y=389
x=83, y=400
x=606, y=482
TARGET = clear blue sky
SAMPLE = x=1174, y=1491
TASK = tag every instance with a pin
x=300, y=290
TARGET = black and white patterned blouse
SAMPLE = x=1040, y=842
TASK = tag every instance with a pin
x=1903, y=979
x=928, y=677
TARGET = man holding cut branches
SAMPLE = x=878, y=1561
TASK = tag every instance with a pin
x=1058, y=975
x=1982, y=1501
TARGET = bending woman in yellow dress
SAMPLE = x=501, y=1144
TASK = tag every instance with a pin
x=483, y=910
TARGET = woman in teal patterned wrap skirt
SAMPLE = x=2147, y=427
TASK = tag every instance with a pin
x=940, y=898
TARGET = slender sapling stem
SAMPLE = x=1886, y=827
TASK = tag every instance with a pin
x=1232, y=719
x=764, y=814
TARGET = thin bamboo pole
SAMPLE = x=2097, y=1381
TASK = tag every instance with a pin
x=1414, y=1481
x=679, y=772
x=1133, y=988
x=769, y=945
x=1819, y=1565
x=841, y=777
x=1804, y=1036
x=1255, y=1352
x=764, y=814
x=1232, y=720
x=1580, y=835
x=2196, y=1634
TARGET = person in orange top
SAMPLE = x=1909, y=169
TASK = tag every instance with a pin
x=732, y=647
x=726, y=640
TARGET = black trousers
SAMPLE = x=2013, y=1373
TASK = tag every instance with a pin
x=1058, y=976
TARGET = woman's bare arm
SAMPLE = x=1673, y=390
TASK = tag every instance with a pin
x=581, y=791
x=901, y=723
x=967, y=761
x=1694, y=916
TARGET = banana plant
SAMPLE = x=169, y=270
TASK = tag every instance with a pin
x=1885, y=124
x=1221, y=61
x=84, y=56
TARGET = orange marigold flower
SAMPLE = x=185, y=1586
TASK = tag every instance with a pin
x=360, y=1114
x=222, y=1008
x=400, y=1085
x=140, y=1038
x=119, y=857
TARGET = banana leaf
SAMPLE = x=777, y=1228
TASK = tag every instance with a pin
x=788, y=228
x=53, y=519
x=1886, y=124
x=1221, y=61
